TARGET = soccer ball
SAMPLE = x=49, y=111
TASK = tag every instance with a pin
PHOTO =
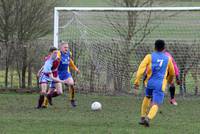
x=96, y=106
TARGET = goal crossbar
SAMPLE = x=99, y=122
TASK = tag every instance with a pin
x=127, y=8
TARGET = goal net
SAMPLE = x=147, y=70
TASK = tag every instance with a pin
x=109, y=43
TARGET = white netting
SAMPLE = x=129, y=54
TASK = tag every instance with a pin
x=107, y=46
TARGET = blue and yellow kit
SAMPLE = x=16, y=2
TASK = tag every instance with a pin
x=65, y=63
x=160, y=70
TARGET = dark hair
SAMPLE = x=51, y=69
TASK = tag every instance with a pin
x=159, y=45
x=51, y=49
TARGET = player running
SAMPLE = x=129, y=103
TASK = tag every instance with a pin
x=64, y=74
x=48, y=73
x=160, y=70
x=171, y=86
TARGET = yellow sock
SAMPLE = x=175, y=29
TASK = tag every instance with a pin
x=145, y=105
x=71, y=92
x=153, y=111
x=45, y=102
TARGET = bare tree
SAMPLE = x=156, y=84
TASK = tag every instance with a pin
x=123, y=69
x=7, y=27
x=33, y=20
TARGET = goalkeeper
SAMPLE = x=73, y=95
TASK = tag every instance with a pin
x=172, y=86
x=157, y=66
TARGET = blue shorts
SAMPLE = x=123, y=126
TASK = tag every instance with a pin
x=44, y=78
x=52, y=85
x=156, y=94
x=64, y=75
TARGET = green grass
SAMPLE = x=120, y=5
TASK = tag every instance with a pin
x=120, y=115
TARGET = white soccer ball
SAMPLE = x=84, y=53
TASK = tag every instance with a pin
x=96, y=106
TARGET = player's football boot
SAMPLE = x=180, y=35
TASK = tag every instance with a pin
x=38, y=107
x=44, y=107
x=146, y=122
x=141, y=122
x=173, y=102
x=73, y=103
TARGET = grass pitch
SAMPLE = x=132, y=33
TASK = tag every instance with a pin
x=120, y=115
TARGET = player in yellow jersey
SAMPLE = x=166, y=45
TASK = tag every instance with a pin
x=160, y=71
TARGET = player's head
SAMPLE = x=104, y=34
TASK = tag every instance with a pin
x=64, y=47
x=159, y=45
x=53, y=51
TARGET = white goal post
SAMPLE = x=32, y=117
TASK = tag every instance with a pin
x=117, y=9
x=108, y=43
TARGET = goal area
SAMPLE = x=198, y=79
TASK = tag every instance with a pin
x=108, y=43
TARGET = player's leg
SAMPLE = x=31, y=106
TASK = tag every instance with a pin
x=49, y=96
x=52, y=90
x=172, y=94
x=43, y=87
x=145, y=105
x=72, y=95
x=59, y=89
x=55, y=90
x=158, y=97
x=43, y=80
x=70, y=82
x=45, y=102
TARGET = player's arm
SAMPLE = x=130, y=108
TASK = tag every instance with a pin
x=73, y=66
x=47, y=70
x=55, y=78
x=142, y=69
x=176, y=69
x=39, y=72
x=171, y=72
x=58, y=55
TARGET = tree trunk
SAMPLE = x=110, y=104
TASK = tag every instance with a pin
x=127, y=84
x=109, y=78
x=6, y=65
x=118, y=83
x=29, y=75
x=11, y=78
x=6, y=73
x=127, y=75
x=24, y=67
x=184, y=83
x=19, y=74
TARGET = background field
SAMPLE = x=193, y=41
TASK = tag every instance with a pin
x=120, y=115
